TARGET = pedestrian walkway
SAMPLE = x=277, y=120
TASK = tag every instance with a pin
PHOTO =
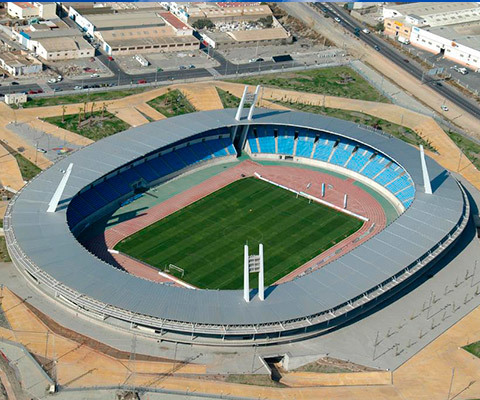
x=150, y=112
x=202, y=97
x=131, y=116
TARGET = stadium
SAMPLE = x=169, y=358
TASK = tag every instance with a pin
x=348, y=216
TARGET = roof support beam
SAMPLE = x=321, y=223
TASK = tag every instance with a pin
x=242, y=103
x=252, y=107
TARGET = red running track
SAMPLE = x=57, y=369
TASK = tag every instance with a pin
x=359, y=202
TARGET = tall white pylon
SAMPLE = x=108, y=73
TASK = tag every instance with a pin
x=238, y=115
x=52, y=206
x=246, y=276
x=426, y=177
x=261, y=278
x=253, y=263
x=252, y=107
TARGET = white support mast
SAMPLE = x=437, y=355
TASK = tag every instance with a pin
x=52, y=206
x=426, y=177
x=246, y=276
x=251, y=264
x=242, y=103
x=261, y=279
x=252, y=107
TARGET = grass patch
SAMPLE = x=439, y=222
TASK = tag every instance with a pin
x=252, y=379
x=95, y=126
x=401, y=132
x=228, y=99
x=473, y=348
x=1, y=223
x=470, y=148
x=336, y=81
x=171, y=104
x=206, y=238
x=81, y=98
x=28, y=169
x=4, y=257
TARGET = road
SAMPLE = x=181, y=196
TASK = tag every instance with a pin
x=391, y=53
x=121, y=78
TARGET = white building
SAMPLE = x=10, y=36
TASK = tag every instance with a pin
x=17, y=64
x=29, y=10
x=15, y=98
x=434, y=14
x=459, y=43
x=56, y=44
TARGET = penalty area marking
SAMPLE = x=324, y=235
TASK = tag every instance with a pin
x=312, y=198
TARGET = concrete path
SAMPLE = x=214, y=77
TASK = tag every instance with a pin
x=131, y=116
x=59, y=133
x=150, y=111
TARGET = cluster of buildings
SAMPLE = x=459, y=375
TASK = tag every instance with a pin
x=449, y=29
x=126, y=28
x=232, y=24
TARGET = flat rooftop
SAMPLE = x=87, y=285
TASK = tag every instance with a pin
x=466, y=34
x=259, y=34
x=126, y=20
x=428, y=8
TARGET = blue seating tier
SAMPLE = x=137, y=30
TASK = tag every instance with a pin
x=120, y=185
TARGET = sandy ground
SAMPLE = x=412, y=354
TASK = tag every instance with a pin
x=427, y=375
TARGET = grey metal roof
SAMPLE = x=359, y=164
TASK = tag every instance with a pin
x=48, y=242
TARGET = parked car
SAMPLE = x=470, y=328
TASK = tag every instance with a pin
x=376, y=48
x=337, y=19
x=40, y=150
x=57, y=89
x=52, y=80
x=59, y=78
x=444, y=107
x=15, y=83
x=191, y=66
x=95, y=75
x=77, y=88
x=110, y=58
x=366, y=31
x=141, y=81
x=182, y=67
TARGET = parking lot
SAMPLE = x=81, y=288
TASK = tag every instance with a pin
x=298, y=50
x=471, y=80
x=165, y=61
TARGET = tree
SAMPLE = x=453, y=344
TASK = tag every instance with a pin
x=91, y=110
x=266, y=21
x=203, y=23
x=63, y=113
x=104, y=106
x=380, y=27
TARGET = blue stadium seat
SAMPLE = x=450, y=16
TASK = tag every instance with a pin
x=305, y=145
x=359, y=159
x=252, y=141
x=159, y=166
x=342, y=153
x=106, y=191
x=201, y=151
x=375, y=165
x=324, y=148
x=146, y=172
x=286, y=142
x=173, y=161
x=388, y=174
x=267, y=144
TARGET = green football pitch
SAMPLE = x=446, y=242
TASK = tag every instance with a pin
x=206, y=238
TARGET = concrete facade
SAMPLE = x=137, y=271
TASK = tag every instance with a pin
x=29, y=10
